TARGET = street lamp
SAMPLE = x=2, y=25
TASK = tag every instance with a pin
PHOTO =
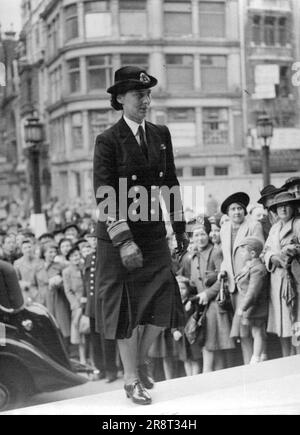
x=264, y=130
x=33, y=138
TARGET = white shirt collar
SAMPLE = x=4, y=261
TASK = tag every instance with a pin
x=133, y=125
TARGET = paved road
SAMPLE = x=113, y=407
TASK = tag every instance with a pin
x=91, y=387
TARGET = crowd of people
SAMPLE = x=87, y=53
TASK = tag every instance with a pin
x=245, y=253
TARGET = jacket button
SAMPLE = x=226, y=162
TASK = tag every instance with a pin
x=161, y=174
x=152, y=211
x=153, y=199
x=91, y=275
x=134, y=177
x=91, y=293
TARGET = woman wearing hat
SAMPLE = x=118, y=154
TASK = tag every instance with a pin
x=137, y=293
x=232, y=233
x=204, y=268
x=282, y=259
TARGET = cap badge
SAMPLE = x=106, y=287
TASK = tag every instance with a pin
x=144, y=78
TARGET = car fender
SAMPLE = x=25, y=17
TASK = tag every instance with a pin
x=47, y=374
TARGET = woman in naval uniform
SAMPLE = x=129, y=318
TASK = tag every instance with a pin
x=137, y=293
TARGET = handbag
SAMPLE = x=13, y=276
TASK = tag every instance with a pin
x=223, y=299
x=84, y=324
x=195, y=328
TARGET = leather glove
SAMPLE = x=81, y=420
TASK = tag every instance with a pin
x=277, y=261
x=183, y=242
x=131, y=255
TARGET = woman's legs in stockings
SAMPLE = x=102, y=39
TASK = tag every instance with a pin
x=128, y=348
x=134, y=350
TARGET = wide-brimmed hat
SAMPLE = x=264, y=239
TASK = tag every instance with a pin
x=290, y=182
x=268, y=191
x=129, y=78
x=239, y=198
x=284, y=198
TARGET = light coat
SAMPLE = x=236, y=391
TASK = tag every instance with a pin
x=232, y=262
x=280, y=235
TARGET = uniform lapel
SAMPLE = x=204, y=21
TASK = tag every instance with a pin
x=129, y=143
x=153, y=142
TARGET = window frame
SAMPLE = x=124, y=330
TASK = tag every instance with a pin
x=106, y=66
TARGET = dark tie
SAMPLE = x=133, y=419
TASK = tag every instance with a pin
x=142, y=141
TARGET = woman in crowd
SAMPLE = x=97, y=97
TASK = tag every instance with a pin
x=232, y=233
x=282, y=251
x=74, y=290
x=64, y=247
x=205, y=266
x=45, y=271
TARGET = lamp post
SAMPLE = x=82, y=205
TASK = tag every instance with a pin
x=33, y=138
x=264, y=130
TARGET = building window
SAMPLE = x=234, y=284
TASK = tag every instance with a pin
x=133, y=17
x=212, y=19
x=256, y=30
x=99, y=72
x=52, y=36
x=221, y=170
x=71, y=22
x=57, y=136
x=282, y=31
x=215, y=126
x=99, y=120
x=77, y=179
x=284, y=87
x=97, y=18
x=141, y=60
x=198, y=171
x=180, y=74
x=269, y=31
x=55, y=84
x=74, y=75
x=179, y=172
x=76, y=125
x=214, y=73
x=178, y=18
x=181, y=122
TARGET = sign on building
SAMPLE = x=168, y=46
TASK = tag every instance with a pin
x=266, y=77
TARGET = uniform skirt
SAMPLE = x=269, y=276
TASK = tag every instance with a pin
x=148, y=295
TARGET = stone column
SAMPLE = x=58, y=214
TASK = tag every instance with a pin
x=156, y=18
x=81, y=24
x=114, y=8
x=197, y=72
x=85, y=131
x=83, y=75
x=199, y=129
x=195, y=18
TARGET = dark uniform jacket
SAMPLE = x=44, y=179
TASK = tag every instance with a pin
x=118, y=155
x=89, y=284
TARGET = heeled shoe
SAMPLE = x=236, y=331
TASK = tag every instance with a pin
x=137, y=393
x=144, y=377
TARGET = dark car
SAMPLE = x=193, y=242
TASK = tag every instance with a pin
x=33, y=358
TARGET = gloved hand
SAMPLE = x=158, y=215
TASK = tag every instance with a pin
x=277, y=261
x=177, y=335
x=131, y=255
x=183, y=242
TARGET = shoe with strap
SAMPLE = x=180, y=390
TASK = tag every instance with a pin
x=137, y=393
